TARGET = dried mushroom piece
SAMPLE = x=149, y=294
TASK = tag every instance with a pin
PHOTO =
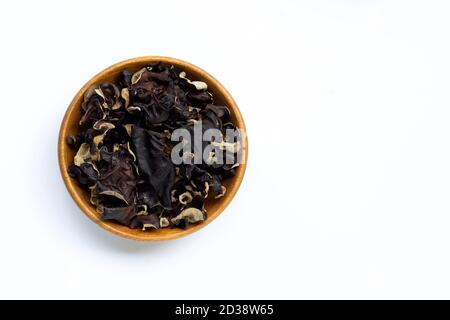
x=86, y=174
x=117, y=178
x=188, y=216
x=137, y=76
x=145, y=222
x=124, y=148
x=123, y=215
x=199, y=85
x=82, y=155
x=155, y=167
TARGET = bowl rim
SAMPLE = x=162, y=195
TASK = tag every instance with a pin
x=88, y=210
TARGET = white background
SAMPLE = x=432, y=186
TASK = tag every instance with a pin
x=347, y=106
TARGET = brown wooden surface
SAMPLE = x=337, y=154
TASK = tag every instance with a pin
x=70, y=126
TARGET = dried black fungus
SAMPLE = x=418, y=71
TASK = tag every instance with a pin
x=124, y=148
x=154, y=165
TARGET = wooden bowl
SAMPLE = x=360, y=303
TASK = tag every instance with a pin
x=70, y=126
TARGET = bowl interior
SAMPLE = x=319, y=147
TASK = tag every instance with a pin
x=70, y=126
